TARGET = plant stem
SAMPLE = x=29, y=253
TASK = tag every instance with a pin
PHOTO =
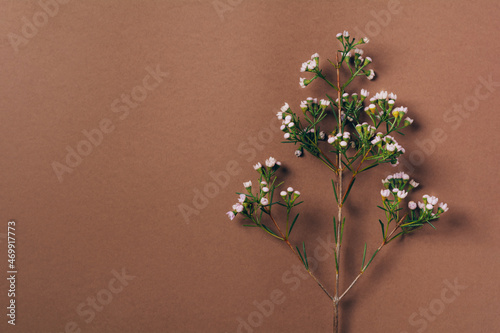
x=285, y=239
x=339, y=219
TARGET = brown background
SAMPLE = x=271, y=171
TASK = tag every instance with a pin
x=227, y=76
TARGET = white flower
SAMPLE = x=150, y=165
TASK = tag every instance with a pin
x=290, y=189
x=390, y=147
x=359, y=51
x=265, y=189
x=288, y=119
x=298, y=153
x=421, y=205
x=409, y=120
x=322, y=135
x=303, y=105
x=395, y=190
x=257, y=166
x=247, y=184
x=375, y=140
x=270, y=162
x=368, y=59
x=414, y=183
x=238, y=207
x=371, y=76
x=264, y=202
x=263, y=182
x=346, y=33
x=392, y=96
x=346, y=135
x=286, y=136
x=429, y=206
x=312, y=65
x=339, y=35
x=279, y=115
x=301, y=82
x=282, y=127
x=242, y=198
x=412, y=205
x=230, y=215
x=343, y=143
x=443, y=206
x=366, y=40
x=395, y=164
x=315, y=55
x=296, y=193
x=290, y=125
x=402, y=194
x=324, y=102
x=331, y=139
x=285, y=107
x=283, y=193
x=385, y=193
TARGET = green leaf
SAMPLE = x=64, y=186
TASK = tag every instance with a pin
x=305, y=255
x=382, y=208
x=373, y=256
x=382, y=226
x=347, y=166
x=431, y=225
x=335, y=229
x=349, y=189
x=301, y=258
x=369, y=167
x=293, y=223
x=335, y=192
x=364, y=256
x=250, y=225
x=332, y=103
x=269, y=230
x=342, y=230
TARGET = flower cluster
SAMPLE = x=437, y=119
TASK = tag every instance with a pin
x=309, y=66
x=382, y=109
x=354, y=56
x=365, y=131
x=340, y=141
x=398, y=184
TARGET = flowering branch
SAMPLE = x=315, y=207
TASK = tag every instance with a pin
x=346, y=148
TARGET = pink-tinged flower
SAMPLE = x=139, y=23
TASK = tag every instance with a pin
x=257, y=166
x=421, y=205
x=290, y=189
x=286, y=135
x=242, y=198
x=283, y=193
x=385, y=193
x=285, y=107
x=265, y=189
x=366, y=40
x=412, y=205
x=413, y=183
x=301, y=82
x=443, y=207
x=247, y=184
x=371, y=76
x=402, y=194
x=238, y=207
x=264, y=202
x=270, y=162
x=231, y=215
